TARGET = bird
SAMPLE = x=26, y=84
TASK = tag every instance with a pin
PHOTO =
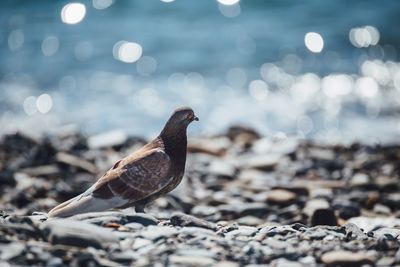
x=141, y=177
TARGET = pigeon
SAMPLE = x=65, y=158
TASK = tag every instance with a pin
x=141, y=177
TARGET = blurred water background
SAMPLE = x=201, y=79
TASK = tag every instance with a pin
x=325, y=70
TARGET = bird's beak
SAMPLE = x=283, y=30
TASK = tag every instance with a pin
x=195, y=118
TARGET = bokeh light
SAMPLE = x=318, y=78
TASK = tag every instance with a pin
x=29, y=105
x=73, y=13
x=228, y=2
x=127, y=52
x=146, y=65
x=44, y=103
x=364, y=36
x=314, y=42
x=102, y=4
x=258, y=89
x=16, y=40
x=50, y=46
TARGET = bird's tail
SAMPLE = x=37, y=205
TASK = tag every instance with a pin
x=80, y=204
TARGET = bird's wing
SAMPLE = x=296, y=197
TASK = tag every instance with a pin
x=135, y=177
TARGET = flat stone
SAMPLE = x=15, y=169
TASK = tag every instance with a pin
x=262, y=162
x=157, y=232
x=387, y=232
x=314, y=204
x=77, y=162
x=227, y=264
x=247, y=231
x=76, y=233
x=359, y=179
x=188, y=260
x=347, y=209
x=346, y=258
x=221, y=168
x=180, y=219
x=250, y=220
x=91, y=215
x=368, y=223
x=281, y=197
x=140, y=243
x=107, y=139
x=203, y=211
x=354, y=230
x=285, y=263
x=11, y=250
x=142, y=218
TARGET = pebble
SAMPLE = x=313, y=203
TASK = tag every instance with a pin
x=323, y=217
x=11, y=250
x=180, y=219
x=347, y=258
x=281, y=197
x=107, y=139
x=190, y=260
x=157, y=232
x=75, y=233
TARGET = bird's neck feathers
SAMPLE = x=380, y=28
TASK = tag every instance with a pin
x=174, y=140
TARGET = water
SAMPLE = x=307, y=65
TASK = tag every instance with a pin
x=244, y=64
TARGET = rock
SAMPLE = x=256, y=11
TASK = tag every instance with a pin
x=143, y=219
x=108, y=139
x=190, y=260
x=214, y=146
x=250, y=220
x=347, y=258
x=385, y=261
x=285, y=263
x=75, y=233
x=369, y=224
x=11, y=250
x=227, y=264
x=382, y=209
x=391, y=233
x=314, y=204
x=346, y=209
x=359, y=179
x=262, y=162
x=221, y=168
x=323, y=217
x=236, y=132
x=77, y=162
x=44, y=170
x=322, y=154
x=353, y=230
x=180, y=219
x=281, y=197
x=242, y=231
x=157, y=232
x=203, y=211
x=139, y=243
x=7, y=179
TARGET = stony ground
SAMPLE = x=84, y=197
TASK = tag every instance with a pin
x=245, y=201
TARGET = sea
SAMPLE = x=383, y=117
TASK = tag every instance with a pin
x=319, y=70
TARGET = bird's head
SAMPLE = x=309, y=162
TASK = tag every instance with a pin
x=182, y=117
x=179, y=120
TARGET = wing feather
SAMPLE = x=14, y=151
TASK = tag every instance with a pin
x=135, y=178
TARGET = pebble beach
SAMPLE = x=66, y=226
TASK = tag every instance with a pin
x=245, y=200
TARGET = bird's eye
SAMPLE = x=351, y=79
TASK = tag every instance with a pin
x=189, y=117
